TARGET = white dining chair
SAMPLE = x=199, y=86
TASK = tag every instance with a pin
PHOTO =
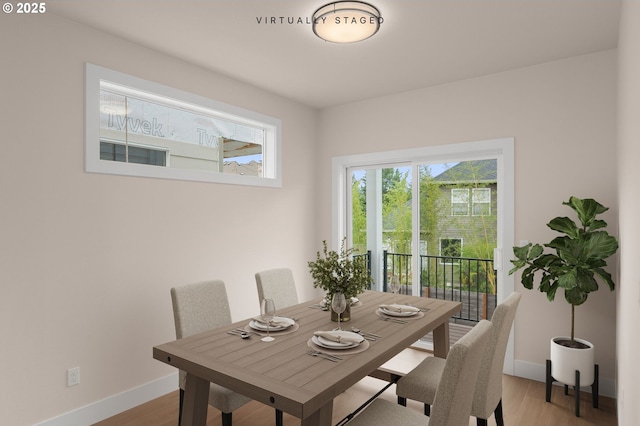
x=420, y=384
x=454, y=394
x=198, y=308
x=279, y=285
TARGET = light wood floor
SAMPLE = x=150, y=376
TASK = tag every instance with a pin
x=523, y=404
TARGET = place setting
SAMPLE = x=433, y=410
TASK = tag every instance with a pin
x=337, y=342
x=268, y=324
x=399, y=313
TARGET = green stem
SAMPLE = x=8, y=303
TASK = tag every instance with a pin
x=572, y=318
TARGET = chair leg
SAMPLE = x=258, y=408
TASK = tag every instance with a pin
x=226, y=419
x=402, y=401
x=278, y=418
x=180, y=409
x=427, y=410
x=498, y=414
x=481, y=422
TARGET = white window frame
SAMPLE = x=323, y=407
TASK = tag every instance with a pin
x=474, y=201
x=500, y=149
x=271, y=155
x=466, y=203
x=451, y=258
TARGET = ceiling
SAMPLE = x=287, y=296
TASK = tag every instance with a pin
x=421, y=42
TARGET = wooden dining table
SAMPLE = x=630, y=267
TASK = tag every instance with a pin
x=282, y=374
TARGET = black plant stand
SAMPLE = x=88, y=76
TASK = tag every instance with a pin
x=594, y=387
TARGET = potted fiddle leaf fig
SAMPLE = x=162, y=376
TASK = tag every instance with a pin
x=340, y=272
x=573, y=262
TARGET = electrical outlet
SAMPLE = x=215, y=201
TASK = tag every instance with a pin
x=73, y=376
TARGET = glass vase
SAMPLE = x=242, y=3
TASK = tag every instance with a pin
x=345, y=316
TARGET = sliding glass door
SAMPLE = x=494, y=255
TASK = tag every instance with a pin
x=435, y=219
x=442, y=242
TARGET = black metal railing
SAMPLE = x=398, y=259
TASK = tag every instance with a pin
x=399, y=266
x=367, y=258
x=467, y=280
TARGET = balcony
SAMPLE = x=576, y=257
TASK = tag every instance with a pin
x=467, y=280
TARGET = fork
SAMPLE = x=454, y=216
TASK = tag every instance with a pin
x=366, y=336
x=399, y=321
x=243, y=334
x=318, y=306
x=324, y=355
x=245, y=331
x=421, y=309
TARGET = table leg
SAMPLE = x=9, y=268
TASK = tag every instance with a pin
x=196, y=401
x=441, y=340
x=321, y=417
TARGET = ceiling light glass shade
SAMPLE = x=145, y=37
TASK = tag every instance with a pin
x=346, y=21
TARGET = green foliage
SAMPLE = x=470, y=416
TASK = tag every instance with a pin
x=396, y=210
x=435, y=219
x=339, y=272
x=577, y=259
x=358, y=214
x=432, y=210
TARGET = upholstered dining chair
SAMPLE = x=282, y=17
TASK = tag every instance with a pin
x=454, y=394
x=420, y=384
x=277, y=284
x=197, y=308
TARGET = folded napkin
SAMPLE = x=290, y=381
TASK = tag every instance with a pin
x=339, y=337
x=273, y=322
x=400, y=308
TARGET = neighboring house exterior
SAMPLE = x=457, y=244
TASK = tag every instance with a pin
x=467, y=222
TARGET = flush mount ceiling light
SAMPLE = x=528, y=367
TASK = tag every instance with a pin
x=346, y=21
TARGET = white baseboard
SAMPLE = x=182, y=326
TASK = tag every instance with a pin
x=126, y=400
x=537, y=372
x=115, y=404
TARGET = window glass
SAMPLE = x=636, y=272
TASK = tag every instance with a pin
x=460, y=202
x=450, y=248
x=481, y=198
x=183, y=136
x=113, y=151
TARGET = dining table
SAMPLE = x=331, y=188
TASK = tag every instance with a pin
x=282, y=373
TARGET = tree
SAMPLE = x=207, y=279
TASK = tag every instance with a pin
x=359, y=214
x=396, y=210
x=431, y=210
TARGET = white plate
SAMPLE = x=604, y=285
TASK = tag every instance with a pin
x=343, y=333
x=263, y=327
x=330, y=344
x=397, y=314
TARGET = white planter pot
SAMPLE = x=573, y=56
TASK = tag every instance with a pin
x=565, y=361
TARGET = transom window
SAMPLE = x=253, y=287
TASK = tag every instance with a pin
x=141, y=128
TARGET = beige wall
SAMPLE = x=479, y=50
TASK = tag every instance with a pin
x=87, y=260
x=563, y=118
x=628, y=177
